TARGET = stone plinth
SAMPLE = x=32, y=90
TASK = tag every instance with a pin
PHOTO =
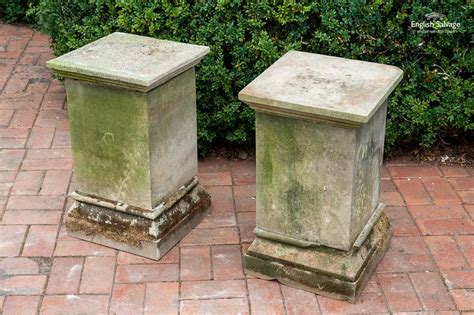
x=320, y=124
x=132, y=113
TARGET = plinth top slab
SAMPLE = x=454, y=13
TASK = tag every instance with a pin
x=320, y=87
x=129, y=61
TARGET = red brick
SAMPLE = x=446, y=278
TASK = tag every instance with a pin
x=12, y=143
x=413, y=171
x=469, y=210
x=367, y=303
x=265, y=297
x=19, y=305
x=464, y=299
x=81, y=248
x=7, y=176
x=51, y=119
x=466, y=244
x=243, y=204
x=218, y=306
x=22, y=285
x=223, y=289
x=56, y=86
x=31, y=217
x=65, y=275
x=437, y=212
x=27, y=183
x=18, y=266
x=446, y=226
x=432, y=293
x=55, y=183
x=40, y=138
x=14, y=132
x=398, y=291
x=372, y=286
x=5, y=117
x=413, y=191
x=48, y=154
x=192, y=257
x=246, y=225
x=445, y=252
x=406, y=254
x=127, y=299
x=216, y=219
x=35, y=202
x=53, y=101
x=221, y=197
x=61, y=139
x=5, y=189
x=15, y=85
x=23, y=119
x=171, y=257
x=228, y=235
x=21, y=101
x=454, y=171
x=215, y=179
x=40, y=240
x=37, y=86
x=459, y=279
x=244, y=191
x=98, y=275
x=81, y=304
x=11, y=239
x=299, y=302
x=59, y=164
x=387, y=185
x=243, y=177
x=440, y=191
x=463, y=183
x=467, y=196
x=10, y=160
x=227, y=262
x=168, y=301
x=146, y=273
x=29, y=59
x=402, y=223
x=392, y=198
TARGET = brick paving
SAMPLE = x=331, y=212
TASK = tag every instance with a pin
x=429, y=266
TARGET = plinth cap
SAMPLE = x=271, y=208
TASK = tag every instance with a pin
x=324, y=88
x=129, y=61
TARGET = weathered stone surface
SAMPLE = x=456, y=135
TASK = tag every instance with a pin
x=151, y=238
x=132, y=147
x=132, y=113
x=323, y=270
x=322, y=87
x=129, y=61
x=320, y=124
x=317, y=183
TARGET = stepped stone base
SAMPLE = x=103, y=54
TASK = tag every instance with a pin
x=334, y=273
x=151, y=238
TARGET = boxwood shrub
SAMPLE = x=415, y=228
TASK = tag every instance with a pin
x=434, y=101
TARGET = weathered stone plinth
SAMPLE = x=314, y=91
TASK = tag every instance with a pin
x=132, y=113
x=320, y=131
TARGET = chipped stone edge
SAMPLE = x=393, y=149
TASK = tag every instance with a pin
x=322, y=115
x=318, y=281
x=142, y=212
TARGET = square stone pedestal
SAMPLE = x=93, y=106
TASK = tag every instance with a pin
x=132, y=113
x=320, y=124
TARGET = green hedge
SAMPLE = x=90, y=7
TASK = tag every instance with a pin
x=434, y=100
